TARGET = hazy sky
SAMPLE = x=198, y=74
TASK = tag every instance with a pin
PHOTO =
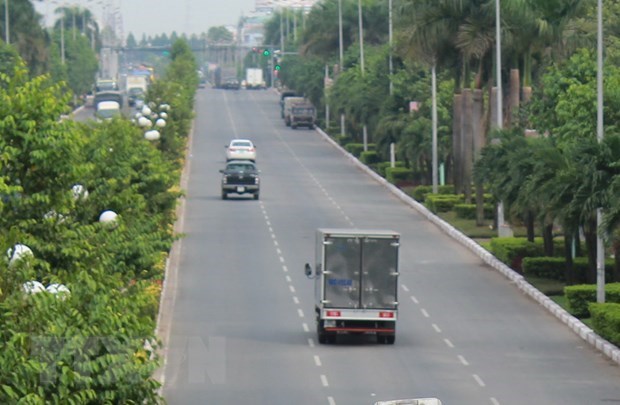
x=154, y=17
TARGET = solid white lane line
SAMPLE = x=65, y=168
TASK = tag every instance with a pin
x=463, y=361
x=478, y=380
x=324, y=380
x=414, y=299
x=436, y=328
x=405, y=288
x=426, y=315
x=450, y=345
x=317, y=361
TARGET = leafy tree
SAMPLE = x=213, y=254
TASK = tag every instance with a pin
x=219, y=35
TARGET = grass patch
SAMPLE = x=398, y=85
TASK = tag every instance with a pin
x=468, y=226
x=552, y=288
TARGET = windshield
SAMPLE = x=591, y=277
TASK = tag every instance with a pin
x=240, y=167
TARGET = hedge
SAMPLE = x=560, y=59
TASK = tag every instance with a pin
x=419, y=193
x=442, y=202
x=398, y=174
x=512, y=250
x=606, y=321
x=468, y=211
x=381, y=167
x=555, y=267
x=356, y=149
x=370, y=157
x=580, y=296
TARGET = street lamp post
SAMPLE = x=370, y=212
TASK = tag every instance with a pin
x=7, y=38
x=600, y=252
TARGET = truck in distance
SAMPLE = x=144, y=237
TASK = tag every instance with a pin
x=254, y=78
x=355, y=283
x=287, y=105
x=302, y=115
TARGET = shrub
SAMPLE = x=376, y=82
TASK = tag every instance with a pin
x=468, y=211
x=381, y=167
x=512, y=250
x=419, y=193
x=343, y=139
x=555, y=267
x=442, y=202
x=370, y=157
x=356, y=149
x=398, y=174
x=580, y=296
x=606, y=321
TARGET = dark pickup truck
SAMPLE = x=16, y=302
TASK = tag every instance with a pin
x=240, y=177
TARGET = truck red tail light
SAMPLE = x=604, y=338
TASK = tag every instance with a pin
x=386, y=314
x=333, y=313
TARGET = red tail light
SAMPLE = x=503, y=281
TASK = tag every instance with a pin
x=386, y=314
x=333, y=313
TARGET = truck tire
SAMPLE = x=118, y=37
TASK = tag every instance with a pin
x=390, y=339
x=256, y=196
x=320, y=333
x=224, y=195
x=294, y=126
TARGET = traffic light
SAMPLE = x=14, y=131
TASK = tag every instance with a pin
x=266, y=52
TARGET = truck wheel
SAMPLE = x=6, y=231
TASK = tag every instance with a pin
x=386, y=339
x=224, y=195
x=256, y=196
x=293, y=126
x=320, y=333
x=310, y=126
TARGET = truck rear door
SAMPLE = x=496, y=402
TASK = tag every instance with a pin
x=361, y=272
x=342, y=269
x=379, y=270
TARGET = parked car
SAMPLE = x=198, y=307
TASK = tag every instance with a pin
x=241, y=149
x=240, y=177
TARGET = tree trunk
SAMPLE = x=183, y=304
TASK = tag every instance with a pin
x=591, y=236
x=529, y=225
x=548, y=239
x=467, y=145
x=457, y=107
x=577, y=238
x=479, y=140
x=569, y=269
x=514, y=100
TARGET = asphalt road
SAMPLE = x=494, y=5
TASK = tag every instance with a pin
x=241, y=327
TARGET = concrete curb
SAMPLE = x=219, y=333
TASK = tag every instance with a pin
x=582, y=330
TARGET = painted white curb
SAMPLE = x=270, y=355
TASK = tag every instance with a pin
x=573, y=323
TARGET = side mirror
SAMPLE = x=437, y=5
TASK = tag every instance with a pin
x=308, y=270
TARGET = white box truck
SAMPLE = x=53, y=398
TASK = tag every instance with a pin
x=254, y=79
x=356, y=283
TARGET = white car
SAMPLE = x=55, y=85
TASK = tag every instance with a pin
x=241, y=149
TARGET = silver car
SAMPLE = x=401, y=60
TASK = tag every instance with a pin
x=241, y=149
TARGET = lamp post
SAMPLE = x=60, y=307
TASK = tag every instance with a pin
x=361, y=29
x=7, y=38
x=501, y=225
x=600, y=252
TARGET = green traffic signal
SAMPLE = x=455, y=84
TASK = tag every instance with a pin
x=266, y=52
x=277, y=67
